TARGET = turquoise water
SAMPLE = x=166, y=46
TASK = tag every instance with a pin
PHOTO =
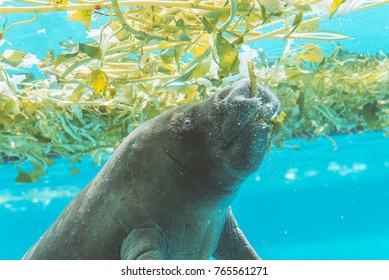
x=316, y=203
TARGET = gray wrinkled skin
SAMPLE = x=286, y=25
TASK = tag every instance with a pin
x=166, y=191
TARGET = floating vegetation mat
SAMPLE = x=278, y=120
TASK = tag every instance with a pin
x=149, y=56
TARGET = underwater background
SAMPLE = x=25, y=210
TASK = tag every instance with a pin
x=319, y=202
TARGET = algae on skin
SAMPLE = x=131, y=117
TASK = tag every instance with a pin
x=150, y=56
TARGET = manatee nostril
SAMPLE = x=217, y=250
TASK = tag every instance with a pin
x=239, y=100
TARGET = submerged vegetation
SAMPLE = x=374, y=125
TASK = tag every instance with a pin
x=150, y=56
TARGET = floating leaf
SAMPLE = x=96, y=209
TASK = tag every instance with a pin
x=228, y=57
x=83, y=16
x=335, y=6
x=65, y=56
x=92, y=51
x=98, y=81
x=312, y=53
x=209, y=27
x=23, y=177
x=14, y=59
x=297, y=20
x=74, y=171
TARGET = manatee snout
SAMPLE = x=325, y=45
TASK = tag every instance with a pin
x=240, y=102
x=242, y=109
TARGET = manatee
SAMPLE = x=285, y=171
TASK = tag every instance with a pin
x=166, y=191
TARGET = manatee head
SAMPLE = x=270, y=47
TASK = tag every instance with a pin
x=223, y=139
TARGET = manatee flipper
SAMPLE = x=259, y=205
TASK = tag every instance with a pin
x=233, y=245
x=142, y=244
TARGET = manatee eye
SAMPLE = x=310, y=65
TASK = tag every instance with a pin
x=187, y=122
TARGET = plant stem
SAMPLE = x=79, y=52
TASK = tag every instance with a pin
x=234, y=9
x=122, y=20
x=97, y=6
x=368, y=6
x=20, y=22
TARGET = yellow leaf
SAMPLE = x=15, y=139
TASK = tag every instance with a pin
x=334, y=6
x=312, y=53
x=121, y=35
x=202, y=68
x=201, y=47
x=98, y=81
x=280, y=118
x=85, y=17
x=191, y=93
x=253, y=20
x=164, y=44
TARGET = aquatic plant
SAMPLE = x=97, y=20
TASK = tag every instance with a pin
x=343, y=93
x=149, y=56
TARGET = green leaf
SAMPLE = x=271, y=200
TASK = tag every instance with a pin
x=208, y=25
x=49, y=161
x=65, y=56
x=34, y=175
x=92, y=51
x=14, y=59
x=184, y=36
x=23, y=177
x=228, y=57
x=297, y=20
x=312, y=53
x=74, y=171
x=263, y=12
